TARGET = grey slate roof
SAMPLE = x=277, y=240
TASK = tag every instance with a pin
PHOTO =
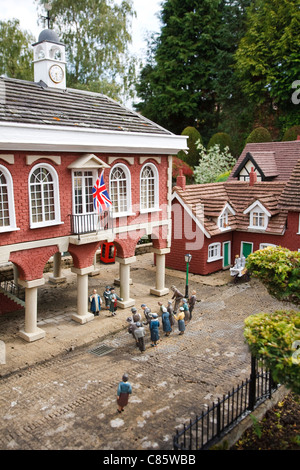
x=30, y=103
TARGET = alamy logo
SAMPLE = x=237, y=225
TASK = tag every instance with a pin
x=296, y=94
x=2, y=353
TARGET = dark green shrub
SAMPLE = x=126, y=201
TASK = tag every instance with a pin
x=274, y=338
x=222, y=139
x=291, y=134
x=279, y=270
x=192, y=155
x=260, y=134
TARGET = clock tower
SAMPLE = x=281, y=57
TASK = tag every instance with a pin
x=50, y=60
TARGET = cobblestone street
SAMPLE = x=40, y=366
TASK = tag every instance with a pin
x=69, y=401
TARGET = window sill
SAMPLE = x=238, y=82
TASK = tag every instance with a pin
x=147, y=211
x=258, y=229
x=117, y=215
x=217, y=258
x=45, y=224
x=9, y=229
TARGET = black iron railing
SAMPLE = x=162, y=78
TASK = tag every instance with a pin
x=11, y=288
x=208, y=428
x=91, y=223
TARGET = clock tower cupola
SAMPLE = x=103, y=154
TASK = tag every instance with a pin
x=50, y=59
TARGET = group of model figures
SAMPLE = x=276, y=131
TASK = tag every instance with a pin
x=181, y=312
x=110, y=298
x=169, y=314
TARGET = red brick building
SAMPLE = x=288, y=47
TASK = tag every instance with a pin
x=258, y=206
x=54, y=142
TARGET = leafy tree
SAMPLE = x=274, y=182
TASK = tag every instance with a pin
x=267, y=59
x=260, y=134
x=179, y=165
x=176, y=85
x=96, y=35
x=16, y=54
x=213, y=162
x=274, y=338
x=189, y=76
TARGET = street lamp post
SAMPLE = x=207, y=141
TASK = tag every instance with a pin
x=187, y=258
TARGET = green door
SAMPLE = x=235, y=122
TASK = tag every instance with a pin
x=247, y=249
x=226, y=254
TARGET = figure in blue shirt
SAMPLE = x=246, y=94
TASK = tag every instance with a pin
x=154, y=331
x=96, y=302
x=124, y=390
x=166, y=324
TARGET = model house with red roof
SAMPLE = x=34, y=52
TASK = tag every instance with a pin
x=258, y=206
x=54, y=144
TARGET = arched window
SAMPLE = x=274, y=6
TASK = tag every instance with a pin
x=44, y=196
x=149, y=188
x=7, y=209
x=119, y=190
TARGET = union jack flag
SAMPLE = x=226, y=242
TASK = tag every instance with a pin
x=101, y=198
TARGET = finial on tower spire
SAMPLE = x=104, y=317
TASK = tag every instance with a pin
x=48, y=7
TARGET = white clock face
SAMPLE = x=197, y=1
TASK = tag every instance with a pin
x=56, y=73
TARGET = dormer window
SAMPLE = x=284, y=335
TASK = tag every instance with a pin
x=258, y=219
x=223, y=219
x=258, y=216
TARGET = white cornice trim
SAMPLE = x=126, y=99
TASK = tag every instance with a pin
x=36, y=138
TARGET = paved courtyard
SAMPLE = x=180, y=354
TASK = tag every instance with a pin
x=57, y=394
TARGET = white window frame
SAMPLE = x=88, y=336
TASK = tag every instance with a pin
x=94, y=176
x=258, y=208
x=217, y=247
x=225, y=213
x=11, y=204
x=128, y=191
x=299, y=226
x=57, y=219
x=156, y=189
x=262, y=246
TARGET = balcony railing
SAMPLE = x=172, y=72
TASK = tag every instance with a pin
x=91, y=223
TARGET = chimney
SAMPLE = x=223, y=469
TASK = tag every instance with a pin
x=181, y=180
x=298, y=137
x=253, y=177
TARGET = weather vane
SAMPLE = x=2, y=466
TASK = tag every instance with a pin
x=48, y=7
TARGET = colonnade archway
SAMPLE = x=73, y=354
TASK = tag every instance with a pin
x=29, y=268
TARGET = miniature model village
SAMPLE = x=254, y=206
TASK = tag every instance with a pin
x=78, y=171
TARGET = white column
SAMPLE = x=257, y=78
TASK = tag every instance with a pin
x=16, y=274
x=160, y=288
x=125, y=281
x=31, y=332
x=57, y=278
x=83, y=315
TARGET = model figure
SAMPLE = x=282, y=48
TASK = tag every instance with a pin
x=154, y=331
x=96, y=302
x=123, y=392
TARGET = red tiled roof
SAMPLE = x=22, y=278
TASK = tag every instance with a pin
x=240, y=195
x=290, y=197
x=274, y=158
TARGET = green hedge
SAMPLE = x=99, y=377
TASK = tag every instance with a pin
x=279, y=269
x=274, y=338
x=260, y=134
